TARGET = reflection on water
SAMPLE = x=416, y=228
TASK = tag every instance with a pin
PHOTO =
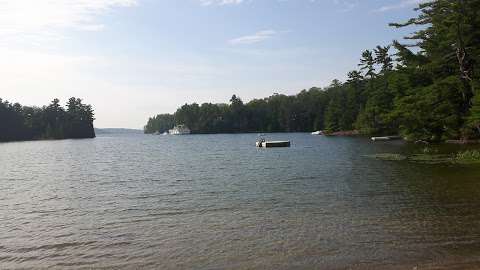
x=216, y=202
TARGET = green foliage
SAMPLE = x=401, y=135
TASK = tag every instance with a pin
x=49, y=122
x=160, y=123
x=431, y=113
x=367, y=63
x=383, y=58
x=276, y=113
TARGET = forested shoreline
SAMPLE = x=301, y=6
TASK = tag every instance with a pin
x=424, y=89
x=20, y=123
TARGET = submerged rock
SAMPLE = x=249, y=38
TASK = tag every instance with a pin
x=388, y=157
x=465, y=158
x=430, y=158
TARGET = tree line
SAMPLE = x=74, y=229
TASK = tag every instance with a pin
x=19, y=122
x=425, y=89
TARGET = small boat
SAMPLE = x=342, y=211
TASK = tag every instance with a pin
x=319, y=132
x=269, y=144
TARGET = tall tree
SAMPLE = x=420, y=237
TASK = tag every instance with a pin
x=367, y=63
x=383, y=58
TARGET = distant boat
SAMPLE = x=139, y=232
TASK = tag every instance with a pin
x=319, y=132
x=179, y=130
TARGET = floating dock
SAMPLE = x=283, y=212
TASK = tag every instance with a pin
x=270, y=144
x=386, y=138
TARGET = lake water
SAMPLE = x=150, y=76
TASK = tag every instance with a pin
x=217, y=202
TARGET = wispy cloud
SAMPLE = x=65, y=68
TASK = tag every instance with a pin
x=220, y=2
x=346, y=5
x=23, y=19
x=400, y=5
x=255, y=38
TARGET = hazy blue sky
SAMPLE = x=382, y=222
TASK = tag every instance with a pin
x=132, y=59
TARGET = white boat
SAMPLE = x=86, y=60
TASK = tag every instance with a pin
x=179, y=130
x=317, y=132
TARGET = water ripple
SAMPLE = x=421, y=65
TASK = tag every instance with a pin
x=216, y=202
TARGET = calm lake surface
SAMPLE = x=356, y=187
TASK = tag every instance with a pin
x=217, y=202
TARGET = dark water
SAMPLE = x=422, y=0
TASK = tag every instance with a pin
x=217, y=202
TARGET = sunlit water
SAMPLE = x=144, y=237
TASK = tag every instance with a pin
x=217, y=202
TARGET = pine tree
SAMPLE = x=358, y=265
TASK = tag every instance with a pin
x=383, y=58
x=367, y=63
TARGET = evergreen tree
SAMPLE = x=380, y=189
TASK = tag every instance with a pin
x=367, y=63
x=383, y=59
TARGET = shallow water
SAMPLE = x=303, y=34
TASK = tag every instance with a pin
x=217, y=202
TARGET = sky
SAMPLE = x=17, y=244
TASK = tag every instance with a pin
x=132, y=59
